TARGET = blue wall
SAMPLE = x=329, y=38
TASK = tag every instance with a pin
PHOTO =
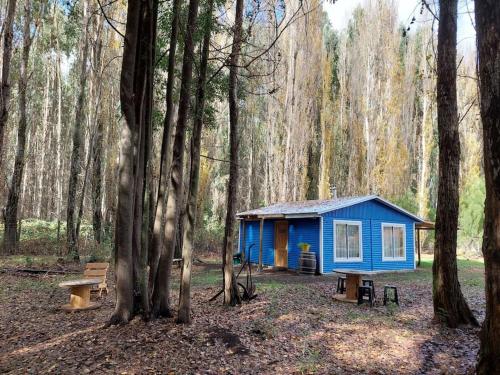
x=252, y=238
x=302, y=230
x=299, y=230
x=371, y=213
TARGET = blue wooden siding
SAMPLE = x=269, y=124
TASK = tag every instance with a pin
x=299, y=230
x=372, y=214
x=302, y=230
x=252, y=229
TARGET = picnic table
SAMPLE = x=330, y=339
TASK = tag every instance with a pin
x=353, y=281
x=80, y=294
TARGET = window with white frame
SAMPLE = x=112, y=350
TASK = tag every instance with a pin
x=348, y=243
x=393, y=242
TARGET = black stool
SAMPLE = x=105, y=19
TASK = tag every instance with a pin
x=341, y=285
x=394, y=298
x=365, y=291
x=369, y=282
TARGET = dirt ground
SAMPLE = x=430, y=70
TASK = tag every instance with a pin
x=292, y=327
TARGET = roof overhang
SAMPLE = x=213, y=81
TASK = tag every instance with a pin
x=425, y=225
x=278, y=216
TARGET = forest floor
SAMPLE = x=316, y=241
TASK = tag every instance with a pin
x=292, y=327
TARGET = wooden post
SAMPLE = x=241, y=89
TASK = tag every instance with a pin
x=418, y=246
x=243, y=252
x=261, y=230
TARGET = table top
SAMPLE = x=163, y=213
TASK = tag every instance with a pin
x=79, y=282
x=357, y=272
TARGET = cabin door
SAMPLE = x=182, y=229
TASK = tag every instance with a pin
x=281, y=244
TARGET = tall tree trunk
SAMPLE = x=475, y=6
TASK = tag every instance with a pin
x=97, y=181
x=450, y=306
x=231, y=295
x=45, y=143
x=136, y=87
x=488, y=47
x=125, y=210
x=10, y=237
x=184, y=312
x=59, y=162
x=161, y=295
x=77, y=142
x=163, y=180
x=8, y=33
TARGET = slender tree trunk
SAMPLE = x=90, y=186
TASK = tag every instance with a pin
x=77, y=142
x=59, y=161
x=10, y=237
x=97, y=182
x=184, y=312
x=450, y=306
x=8, y=33
x=231, y=295
x=488, y=47
x=163, y=180
x=45, y=136
x=161, y=295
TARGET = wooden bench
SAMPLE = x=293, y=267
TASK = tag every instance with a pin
x=97, y=271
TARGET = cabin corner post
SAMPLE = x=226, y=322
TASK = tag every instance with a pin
x=261, y=230
x=418, y=246
x=243, y=242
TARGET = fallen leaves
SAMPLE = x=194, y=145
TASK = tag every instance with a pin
x=293, y=327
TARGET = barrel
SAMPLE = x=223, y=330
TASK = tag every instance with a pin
x=307, y=263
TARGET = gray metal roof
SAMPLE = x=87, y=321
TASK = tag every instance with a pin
x=317, y=207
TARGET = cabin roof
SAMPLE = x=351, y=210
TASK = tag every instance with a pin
x=314, y=208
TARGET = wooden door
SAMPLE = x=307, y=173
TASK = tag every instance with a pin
x=281, y=244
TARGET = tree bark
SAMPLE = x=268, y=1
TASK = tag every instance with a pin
x=8, y=33
x=10, y=236
x=97, y=182
x=231, y=295
x=161, y=295
x=77, y=142
x=488, y=47
x=184, y=312
x=125, y=211
x=450, y=306
x=163, y=180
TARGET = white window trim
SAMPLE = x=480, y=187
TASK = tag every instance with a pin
x=395, y=225
x=348, y=260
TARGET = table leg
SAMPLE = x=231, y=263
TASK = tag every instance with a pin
x=80, y=296
x=352, y=284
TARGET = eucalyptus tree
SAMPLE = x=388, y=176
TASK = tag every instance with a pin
x=450, y=305
x=11, y=209
x=155, y=245
x=488, y=47
x=161, y=294
x=184, y=312
x=8, y=32
x=231, y=295
x=135, y=96
x=78, y=134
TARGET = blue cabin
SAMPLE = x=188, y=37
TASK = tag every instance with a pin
x=364, y=233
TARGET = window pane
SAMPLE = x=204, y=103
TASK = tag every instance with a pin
x=388, y=251
x=340, y=241
x=353, y=240
x=398, y=242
